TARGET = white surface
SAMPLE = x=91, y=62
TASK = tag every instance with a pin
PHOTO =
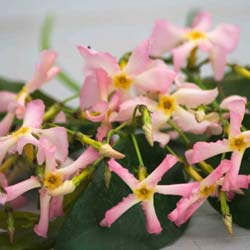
x=115, y=26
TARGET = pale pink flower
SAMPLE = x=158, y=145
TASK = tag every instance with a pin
x=54, y=185
x=236, y=143
x=181, y=41
x=140, y=73
x=143, y=192
x=31, y=133
x=186, y=206
x=172, y=106
x=14, y=104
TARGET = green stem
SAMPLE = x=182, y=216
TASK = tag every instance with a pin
x=115, y=130
x=70, y=98
x=137, y=150
x=171, y=151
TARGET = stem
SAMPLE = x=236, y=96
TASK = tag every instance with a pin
x=137, y=150
x=171, y=151
x=206, y=167
x=182, y=135
x=115, y=130
x=70, y=98
x=193, y=173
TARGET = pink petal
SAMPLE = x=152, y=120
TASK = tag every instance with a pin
x=217, y=173
x=152, y=223
x=6, y=98
x=41, y=228
x=202, y=21
x=242, y=181
x=59, y=138
x=227, y=100
x=84, y=160
x=115, y=212
x=33, y=117
x=101, y=108
x=6, y=143
x=6, y=123
x=237, y=111
x=192, y=98
x=164, y=37
x=24, y=140
x=139, y=60
x=181, y=53
x=123, y=173
x=168, y=162
x=99, y=60
x=185, y=209
x=44, y=72
x=60, y=118
x=182, y=189
x=204, y=150
x=103, y=130
x=18, y=189
x=94, y=89
x=127, y=108
x=225, y=36
x=231, y=179
x=155, y=79
x=56, y=207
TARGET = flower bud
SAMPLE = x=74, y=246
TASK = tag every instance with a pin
x=200, y=115
x=66, y=188
x=107, y=151
x=228, y=223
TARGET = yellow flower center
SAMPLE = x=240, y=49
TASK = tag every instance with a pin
x=52, y=181
x=21, y=131
x=122, y=81
x=167, y=104
x=207, y=190
x=195, y=35
x=238, y=143
x=144, y=193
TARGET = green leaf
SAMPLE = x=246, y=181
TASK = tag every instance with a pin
x=128, y=232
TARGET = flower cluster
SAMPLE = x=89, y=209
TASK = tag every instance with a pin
x=163, y=97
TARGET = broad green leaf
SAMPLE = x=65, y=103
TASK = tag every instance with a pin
x=128, y=232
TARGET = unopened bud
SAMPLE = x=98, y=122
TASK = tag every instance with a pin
x=107, y=177
x=66, y=188
x=200, y=115
x=228, y=223
x=147, y=128
x=107, y=151
x=213, y=117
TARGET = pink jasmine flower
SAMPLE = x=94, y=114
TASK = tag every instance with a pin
x=54, y=185
x=30, y=132
x=143, y=192
x=14, y=104
x=186, y=206
x=236, y=143
x=172, y=106
x=140, y=72
x=181, y=41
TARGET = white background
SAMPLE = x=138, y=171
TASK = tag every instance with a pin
x=115, y=26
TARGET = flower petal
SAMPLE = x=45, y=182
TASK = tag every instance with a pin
x=98, y=60
x=6, y=98
x=41, y=228
x=237, y=111
x=34, y=112
x=164, y=37
x=101, y=108
x=6, y=123
x=182, y=189
x=181, y=53
x=123, y=173
x=227, y=100
x=204, y=150
x=84, y=160
x=152, y=223
x=202, y=21
x=115, y=212
x=192, y=98
x=6, y=143
x=56, y=207
x=18, y=189
x=168, y=162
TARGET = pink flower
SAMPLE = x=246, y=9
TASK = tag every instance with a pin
x=143, y=191
x=181, y=41
x=54, y=185
x=186, y=206
x=172, y=106
x=31, y=133
x=14, y=104
x=140, y=73
x=236, y=143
